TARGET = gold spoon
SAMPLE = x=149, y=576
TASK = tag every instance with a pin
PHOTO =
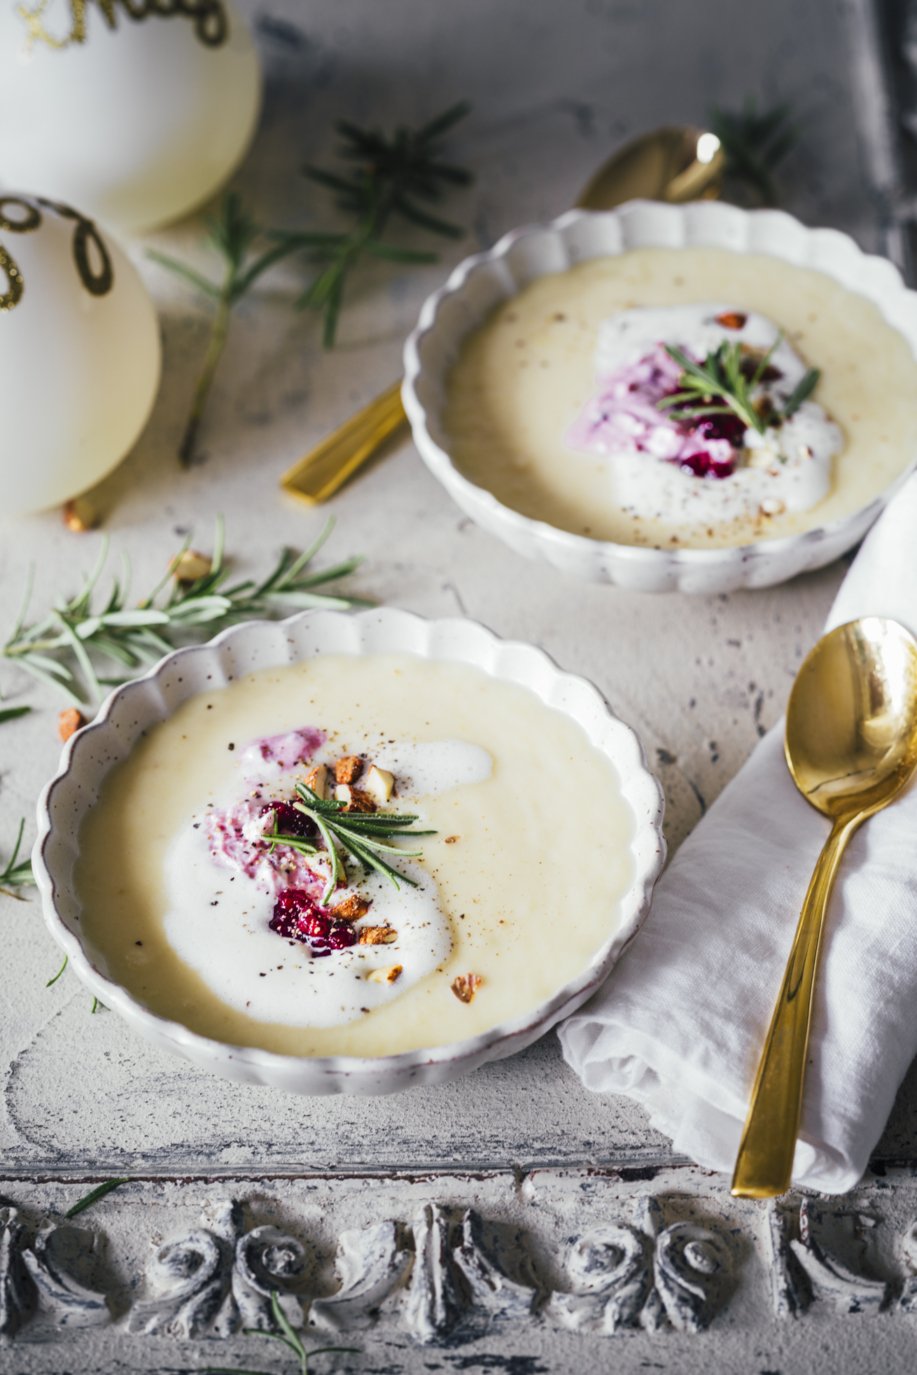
x=851, y=746
x=676, y=164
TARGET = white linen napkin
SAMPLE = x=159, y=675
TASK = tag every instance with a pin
x=680, y=1023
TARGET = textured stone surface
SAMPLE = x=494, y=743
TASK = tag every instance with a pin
x=554, y=88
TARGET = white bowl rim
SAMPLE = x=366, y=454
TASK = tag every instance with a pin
x=402, y=1066
x=443, y=467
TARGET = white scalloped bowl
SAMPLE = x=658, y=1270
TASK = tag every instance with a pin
x=139, y=705
x=483, y=282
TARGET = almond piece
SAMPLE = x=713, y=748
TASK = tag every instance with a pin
x=464, y=986
x=352, y=908
x=348, y=769
x=354, y=799
x=189, y=565
x=731, y=319
x=385, y=976
x=379, y=783
x=317, y=780
x=69, y=722
x=377, y=935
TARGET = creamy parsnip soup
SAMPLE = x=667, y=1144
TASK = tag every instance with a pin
x=355, y=855
x=687, y=396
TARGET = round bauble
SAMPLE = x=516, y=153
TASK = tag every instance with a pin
x=135, y=110
x=80, y=354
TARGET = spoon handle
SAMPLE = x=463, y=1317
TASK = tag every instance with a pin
x=322, y=471
x=765, y=1159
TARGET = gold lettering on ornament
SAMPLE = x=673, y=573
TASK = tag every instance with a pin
x=208, y=19
x=21, y=215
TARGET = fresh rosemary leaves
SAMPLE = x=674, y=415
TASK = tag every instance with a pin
x=101, y=1191
x=755, y=144
x=232, y=234
x=725, y=382
x=57, y=648
x=13, y=713
x=54, y=977
x=399, y=176
x=16, y=873
x=287, y=1334
x=364, y=835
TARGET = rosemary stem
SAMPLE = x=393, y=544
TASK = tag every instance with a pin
x=219, y=333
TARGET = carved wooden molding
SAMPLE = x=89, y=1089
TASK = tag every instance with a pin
x=40, y=1269
x=217, y=1280
x=450, y=1274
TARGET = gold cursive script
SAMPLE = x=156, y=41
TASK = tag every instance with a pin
x=208, y=18
x=22, y=215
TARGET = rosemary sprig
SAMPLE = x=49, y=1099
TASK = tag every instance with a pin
x=724, y=382
x=755, y=143
x=390, y=177
x=94, y=1195
x=232, y=235
x=56, y=648
x=290, y=1338
x=364, y=835
x=16, y=873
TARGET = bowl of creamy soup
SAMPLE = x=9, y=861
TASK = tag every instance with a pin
x=349, y=853
x=670, y=397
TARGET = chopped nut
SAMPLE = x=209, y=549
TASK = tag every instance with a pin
x=317, y=780
x=79, y=516
x=69, y=722
x=464, y=986
x=379, y=783
x=354, y=799
x=385, y=976
x=772, y=506
x=348, y=769
x=352, y=908
x=189, y=565
x=731, y=319
x=452, y=840
x=377, y=935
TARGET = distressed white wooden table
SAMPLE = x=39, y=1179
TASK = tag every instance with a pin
x=509, y=1222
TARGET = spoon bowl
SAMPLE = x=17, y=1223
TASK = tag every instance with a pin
x=850, y=739
x=676, y=164
x=851, y=747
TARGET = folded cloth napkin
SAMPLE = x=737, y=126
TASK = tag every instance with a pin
x=680, y=1023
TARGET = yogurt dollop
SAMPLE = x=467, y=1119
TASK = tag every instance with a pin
x=223, y=881
x=666, y=465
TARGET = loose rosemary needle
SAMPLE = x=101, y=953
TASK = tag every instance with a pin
x=16, y=873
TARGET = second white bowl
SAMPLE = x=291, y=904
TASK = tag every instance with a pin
x=482, y=282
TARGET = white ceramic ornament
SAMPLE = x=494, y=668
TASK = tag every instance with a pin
x=135, y=110
x=79, y=353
